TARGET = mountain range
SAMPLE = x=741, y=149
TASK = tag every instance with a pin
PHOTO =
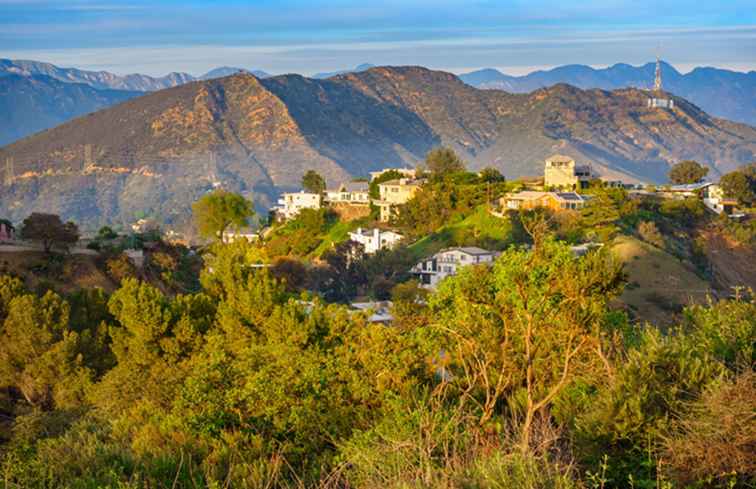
x=155, y=154
x=723, y=93
x=106, y=80
x=29, y=104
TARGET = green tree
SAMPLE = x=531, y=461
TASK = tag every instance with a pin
x=40, y=353
x=313, y=182
x=49, y=230
x=740, y=185
x=441, y=162
x=215, y=212
x=687, y=171
x=491, y=175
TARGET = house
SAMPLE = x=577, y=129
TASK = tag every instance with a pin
x=714, y=199
x=686, y=190
x=561, y=172
x=144, y=226
x=290, y=204
x=556, y=201
x=7, y=231
x=375, y=239
x=394, y=193
x=447, y=262
x=349, y=193
x=406, y=172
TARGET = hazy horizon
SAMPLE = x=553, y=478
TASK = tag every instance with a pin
x=297, y=36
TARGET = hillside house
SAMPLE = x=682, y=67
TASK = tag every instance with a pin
x=447, y=262
x=556, y=201
x=714, y=199
x=290, y=204
x=349, y=193
x=561, y=172
x=375, y=239
x=232, y=236
x=394, y=193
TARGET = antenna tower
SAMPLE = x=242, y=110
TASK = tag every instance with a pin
x=658, y=77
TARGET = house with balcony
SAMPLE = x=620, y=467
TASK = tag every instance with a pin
x=394, y=193
x=447, y=263
x=290, y=204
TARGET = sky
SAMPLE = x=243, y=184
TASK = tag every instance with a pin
x=309, y=36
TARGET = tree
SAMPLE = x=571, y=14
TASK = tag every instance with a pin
x=519, y=329
x=443, y=161
x=740, y=185
x=49, y=230
x=687, y=171
x=491, y=175
x=312, y=182
x=214, y=213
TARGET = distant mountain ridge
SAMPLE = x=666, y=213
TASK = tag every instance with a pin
x=356, y=69
x=29, y=104
x=154, y=155
x=103, y=80
x=723, y=93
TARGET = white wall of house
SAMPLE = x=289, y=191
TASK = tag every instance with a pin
x=374, y=240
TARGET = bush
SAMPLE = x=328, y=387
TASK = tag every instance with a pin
x=716, y=437
x=649, y=233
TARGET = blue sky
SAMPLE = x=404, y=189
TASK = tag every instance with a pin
x=285, y=36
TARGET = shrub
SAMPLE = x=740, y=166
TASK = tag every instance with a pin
x=650, y=233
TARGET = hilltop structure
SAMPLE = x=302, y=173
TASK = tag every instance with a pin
x=659, y=101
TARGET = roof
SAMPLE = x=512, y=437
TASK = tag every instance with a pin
x=570, y=196
x=402, y=181
x=352, y=187
x=470, y=250
x=690, y=187
x=526, y=195
x=559, y=159
x=369, y=232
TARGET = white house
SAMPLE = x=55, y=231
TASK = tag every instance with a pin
x=351, y=193
x=290, y=204
x=375, y=239
x=447, y=262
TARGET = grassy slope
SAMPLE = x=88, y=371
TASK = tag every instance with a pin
x=480, y=225
x=658, y=283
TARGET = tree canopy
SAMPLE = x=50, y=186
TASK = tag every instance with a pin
x=687, y=171
x=49, y=230
x=740, y=185
x=215, y=212
x=443, y=161
x=313, y=182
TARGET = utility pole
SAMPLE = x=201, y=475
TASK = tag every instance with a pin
x=88, y=163
x=9, y=171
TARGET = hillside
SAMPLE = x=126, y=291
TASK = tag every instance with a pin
x=723, y=93
x=31, y=104
x=155, y=154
